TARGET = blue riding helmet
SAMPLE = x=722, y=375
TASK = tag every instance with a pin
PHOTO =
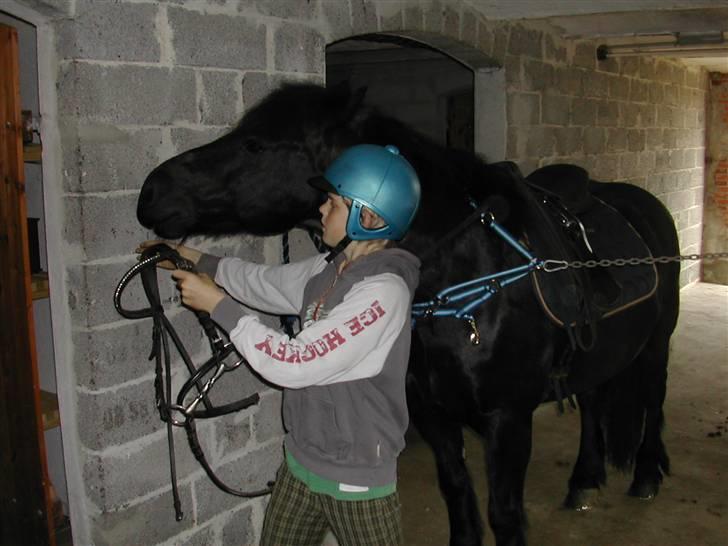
x=379, y=178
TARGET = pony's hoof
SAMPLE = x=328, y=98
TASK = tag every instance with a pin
x=644, y=491
x=581, y=500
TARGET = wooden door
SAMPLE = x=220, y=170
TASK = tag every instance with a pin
x=24, y=485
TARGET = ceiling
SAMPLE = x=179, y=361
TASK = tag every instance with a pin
x=624, y=21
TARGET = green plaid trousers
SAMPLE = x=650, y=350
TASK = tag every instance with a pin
x=296, y=516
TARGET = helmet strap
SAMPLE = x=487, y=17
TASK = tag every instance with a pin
x=338, y=248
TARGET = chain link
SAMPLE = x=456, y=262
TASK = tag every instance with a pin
x=551, y=266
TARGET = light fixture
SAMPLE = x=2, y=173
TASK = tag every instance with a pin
x=706, y=44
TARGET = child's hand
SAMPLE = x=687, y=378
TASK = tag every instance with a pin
x=198, y=291
x=186, y=252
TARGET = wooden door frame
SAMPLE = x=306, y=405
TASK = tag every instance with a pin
x=25, y=515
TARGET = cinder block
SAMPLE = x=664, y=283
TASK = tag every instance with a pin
x=434, y=15
x=525, y=41
x=647, y=68
x=232, y=432
x=363, y=16
x=101, y=157
x=630, y=66
x=500, y=43
x=607, y=113
x=112, y=418
x=198, y=536
x=554, y=49
x=239, y=528
x=216, y=40
x=605, y=167
x=653, y=138
x=285, y=9
x=252, y=470
x=595, y=139
x=569, y=140
x=662, y=160
x=54, y=9
x=616, y=139
x=113, y=481
x=110, y=356
x=639, y=91
x=629, y=165
x=611, y=65
x=584, y=112
x=663, y=71
x=648, y=115
x=220, y=102
x=541, y=142
x=485, y=38
x=469, y=25
x=110, y=31
x=451, y=23
x=671, y=94
x=596, y=84
x=524, y=109
x=585, y=55
x=126, y=94
x=184, y=139
x=539, y=76
x=569, y=80
x=108, y=225
x=693, y=78
x=91, y=289
x=299, y=49
x=657, y=92
x=555, y=109
x=630, y=114
x=393, y=19
x=338, y=17
x=514, y=78
x=664, y=116
x=618, y=87
x=414, y=17
x=148, y=522
x=636, y=140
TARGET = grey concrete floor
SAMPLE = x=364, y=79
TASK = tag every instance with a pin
x=692, y=507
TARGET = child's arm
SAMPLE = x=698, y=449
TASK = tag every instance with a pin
x=351, y=342
x=270, y=288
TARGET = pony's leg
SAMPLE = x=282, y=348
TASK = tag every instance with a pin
x=652, y=460
x=589, y=471
x=446, y=439
x=507, y=453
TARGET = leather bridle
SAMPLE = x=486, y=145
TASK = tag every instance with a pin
x=183, y=413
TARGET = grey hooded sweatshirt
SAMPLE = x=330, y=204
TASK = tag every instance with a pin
x=344, y=404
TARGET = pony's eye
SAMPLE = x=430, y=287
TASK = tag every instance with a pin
x=253, y=146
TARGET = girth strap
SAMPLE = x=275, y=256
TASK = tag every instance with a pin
x=162, y=331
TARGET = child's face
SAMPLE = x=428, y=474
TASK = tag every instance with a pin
x=334, y=214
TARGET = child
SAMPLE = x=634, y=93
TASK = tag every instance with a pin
x=343, y=375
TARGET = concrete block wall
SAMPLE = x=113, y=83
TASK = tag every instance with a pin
x=635, y=119
x=139, y=81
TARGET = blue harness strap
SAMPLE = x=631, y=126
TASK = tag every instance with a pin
x=461, y=300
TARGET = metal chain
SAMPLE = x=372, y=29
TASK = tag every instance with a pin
x=551, y=266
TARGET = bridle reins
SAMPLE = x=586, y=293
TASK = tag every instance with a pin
x=201, y=379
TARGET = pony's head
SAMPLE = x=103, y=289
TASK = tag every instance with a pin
x=253, y=179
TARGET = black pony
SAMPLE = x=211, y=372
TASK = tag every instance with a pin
x=253, y=180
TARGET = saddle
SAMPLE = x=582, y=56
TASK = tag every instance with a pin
x=567, y=222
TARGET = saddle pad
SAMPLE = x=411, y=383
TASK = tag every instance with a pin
x=610, y=289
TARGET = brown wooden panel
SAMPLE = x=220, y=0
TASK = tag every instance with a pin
x=24, y=485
